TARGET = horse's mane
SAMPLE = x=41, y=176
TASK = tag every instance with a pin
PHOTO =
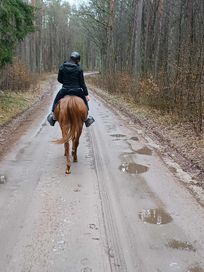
x=71, y=113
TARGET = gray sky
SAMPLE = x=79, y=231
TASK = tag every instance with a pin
x=73, y=1
x=77, y=2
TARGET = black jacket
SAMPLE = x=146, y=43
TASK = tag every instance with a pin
x=71, y=76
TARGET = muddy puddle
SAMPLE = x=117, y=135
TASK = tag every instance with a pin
x=133, y=168
x=144, y=151
x=173, y=169
x=118, y=136
x=155, y=216
x=136, y=139
x=175, y=244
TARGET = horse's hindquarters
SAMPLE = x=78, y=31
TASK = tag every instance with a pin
x=71, y=114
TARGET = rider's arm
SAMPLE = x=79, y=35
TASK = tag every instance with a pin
x=60, y=75
x=82, y=83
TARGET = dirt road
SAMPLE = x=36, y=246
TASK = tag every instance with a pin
x=121, y=209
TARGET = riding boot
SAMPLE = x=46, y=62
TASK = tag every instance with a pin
x=51, y=119
x=90, y=120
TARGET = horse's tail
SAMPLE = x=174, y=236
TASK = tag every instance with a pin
x=74, y=114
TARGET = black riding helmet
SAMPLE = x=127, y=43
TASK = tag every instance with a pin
x=75, y=56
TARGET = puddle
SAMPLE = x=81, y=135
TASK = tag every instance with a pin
x=3, y=179
x=195, y=269
x=155, y=216
x=175, y=244
x=134, y=139
x=144, y=151
x=173, y=169
x=118, y=135
x=133, y=168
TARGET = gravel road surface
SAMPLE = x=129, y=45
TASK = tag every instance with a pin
x=121, y=209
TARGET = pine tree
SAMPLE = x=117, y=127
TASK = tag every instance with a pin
x=16, y=21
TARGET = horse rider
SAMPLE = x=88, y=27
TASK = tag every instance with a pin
x=71, y=76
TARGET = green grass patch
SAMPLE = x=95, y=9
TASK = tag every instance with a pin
x=12, y=104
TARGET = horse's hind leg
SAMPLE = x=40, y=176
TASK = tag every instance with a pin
x=65, y=148
x=68, y=170
x=67, y=152
x=75, y=144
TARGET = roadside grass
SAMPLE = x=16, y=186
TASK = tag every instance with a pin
x=11, y=104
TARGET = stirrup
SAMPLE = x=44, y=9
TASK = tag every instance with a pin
x=90, y=120
x=51, y=120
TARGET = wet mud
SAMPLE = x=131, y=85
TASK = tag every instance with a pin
x=180, y=245
x=155, y=216
x=196, y=269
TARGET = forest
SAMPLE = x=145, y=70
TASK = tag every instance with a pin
x=151, y=51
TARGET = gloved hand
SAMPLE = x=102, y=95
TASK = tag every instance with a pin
x=88, y=98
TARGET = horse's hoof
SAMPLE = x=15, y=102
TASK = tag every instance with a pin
x=68, y=172
x=75, y=160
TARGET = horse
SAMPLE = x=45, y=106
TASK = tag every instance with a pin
x=71, y=112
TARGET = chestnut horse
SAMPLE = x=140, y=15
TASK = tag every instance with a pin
x=71, y=112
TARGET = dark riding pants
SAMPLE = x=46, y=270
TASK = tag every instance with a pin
x=74, y=92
